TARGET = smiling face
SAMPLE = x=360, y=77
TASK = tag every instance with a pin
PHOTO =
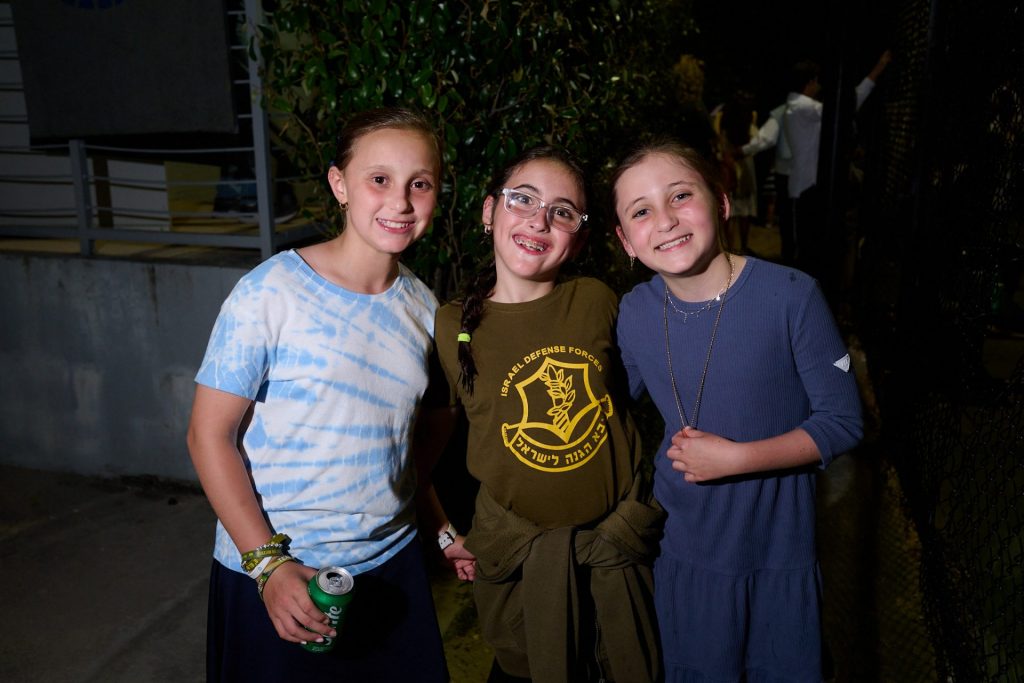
x=390, y=184
x=528, y=252
x=667, y=215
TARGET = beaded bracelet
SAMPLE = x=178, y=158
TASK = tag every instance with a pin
x=274, y=564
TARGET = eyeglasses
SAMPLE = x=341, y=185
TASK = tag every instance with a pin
x=526, y=205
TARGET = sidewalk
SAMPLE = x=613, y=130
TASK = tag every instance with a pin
x=106, y=581
x=103, y=581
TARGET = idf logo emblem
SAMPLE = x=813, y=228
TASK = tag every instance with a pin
x=563, y=422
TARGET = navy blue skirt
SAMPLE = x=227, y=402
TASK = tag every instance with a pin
x=390, y=631
x=761, y=627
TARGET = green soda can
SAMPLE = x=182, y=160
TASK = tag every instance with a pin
x=331, y=591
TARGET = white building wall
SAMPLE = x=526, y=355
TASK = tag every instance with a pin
x=97, y=359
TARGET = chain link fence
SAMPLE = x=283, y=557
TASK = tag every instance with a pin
x=940, y=294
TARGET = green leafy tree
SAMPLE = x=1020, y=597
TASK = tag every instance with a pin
x=497, y=77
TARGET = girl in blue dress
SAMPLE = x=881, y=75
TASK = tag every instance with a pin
x=744, y=362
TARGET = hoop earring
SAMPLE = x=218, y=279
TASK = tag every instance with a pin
x=343, y=206
x=488, y=229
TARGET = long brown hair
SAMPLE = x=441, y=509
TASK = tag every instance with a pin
x=482, y=284
x=671, y=147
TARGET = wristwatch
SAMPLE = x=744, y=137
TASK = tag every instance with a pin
x=447, y=537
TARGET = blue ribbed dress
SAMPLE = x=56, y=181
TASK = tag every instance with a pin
x=737, y=582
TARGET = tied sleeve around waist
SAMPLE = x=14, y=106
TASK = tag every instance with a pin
x=619, y=551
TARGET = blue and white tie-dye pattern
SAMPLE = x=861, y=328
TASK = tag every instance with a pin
x=337, y=377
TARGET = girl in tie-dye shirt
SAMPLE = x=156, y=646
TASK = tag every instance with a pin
x=301, y=426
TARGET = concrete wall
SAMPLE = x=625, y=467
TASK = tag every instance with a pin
x=97, y=359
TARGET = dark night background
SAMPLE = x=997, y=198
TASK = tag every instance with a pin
x=752, y=46
x=924, y=558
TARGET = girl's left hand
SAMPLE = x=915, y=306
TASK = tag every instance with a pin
x=463, y=561
x=465, y=569
x=701, y=456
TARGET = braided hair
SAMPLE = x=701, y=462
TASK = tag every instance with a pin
x=482, y=284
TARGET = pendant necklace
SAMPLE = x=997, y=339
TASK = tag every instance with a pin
x=693, y=314
x=707, y=361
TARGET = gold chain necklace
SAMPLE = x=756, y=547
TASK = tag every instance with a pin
x=707, y=306
x=707, y=360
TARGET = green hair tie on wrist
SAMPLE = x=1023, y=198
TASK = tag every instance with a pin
x=464, y=337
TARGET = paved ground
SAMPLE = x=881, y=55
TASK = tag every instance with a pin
x=102, y=581
x=105, y=581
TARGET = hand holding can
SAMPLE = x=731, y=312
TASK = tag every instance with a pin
x=331, y=591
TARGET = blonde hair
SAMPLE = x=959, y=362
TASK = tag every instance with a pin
x=688, y=73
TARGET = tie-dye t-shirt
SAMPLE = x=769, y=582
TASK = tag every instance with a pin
x=336, y=379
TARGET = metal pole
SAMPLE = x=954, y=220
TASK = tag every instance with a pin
x=260, y=134
x=83, y=199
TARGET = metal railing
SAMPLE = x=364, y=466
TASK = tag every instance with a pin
x=63, y=192
x=944, y=246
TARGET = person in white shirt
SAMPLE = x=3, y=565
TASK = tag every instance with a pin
x=801, y=125
x=771, y=135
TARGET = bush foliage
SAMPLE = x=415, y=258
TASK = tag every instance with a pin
x=497, y=77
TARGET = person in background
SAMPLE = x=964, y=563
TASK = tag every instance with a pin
x=802, y=125
x=736, y=124
x=693, y=121
x=771, y=135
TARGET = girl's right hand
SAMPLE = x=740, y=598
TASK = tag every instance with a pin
x=291, y=610
x=703, y=456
